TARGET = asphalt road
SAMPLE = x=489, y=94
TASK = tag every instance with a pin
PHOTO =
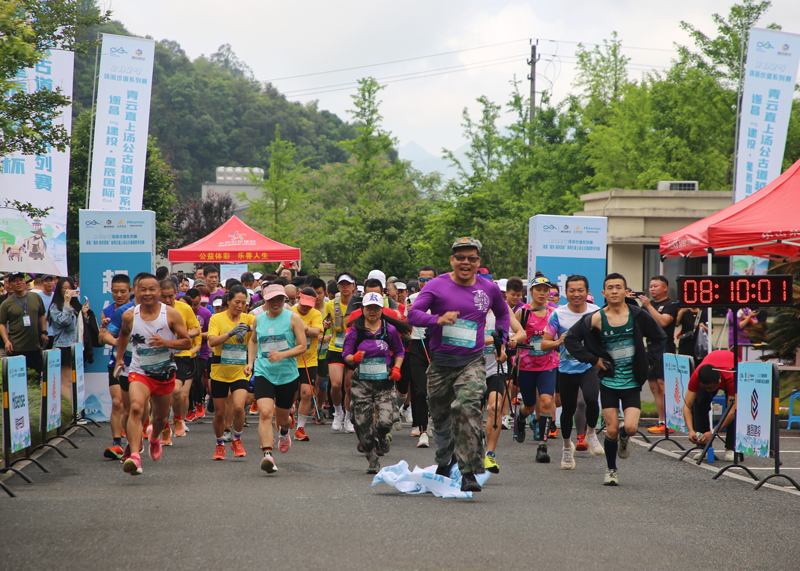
x=319, y=512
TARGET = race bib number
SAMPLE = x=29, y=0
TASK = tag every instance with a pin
x=233, y=354
x=461, y=334
x=323, y=351
x=537, y=350
x=273, y=343
x=153, y=359
x=488, y=349
x=621, y=351
x=373, y=369
x=338, y=342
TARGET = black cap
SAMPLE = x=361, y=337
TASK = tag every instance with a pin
x=707, y=375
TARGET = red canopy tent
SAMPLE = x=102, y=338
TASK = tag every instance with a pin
x=235, y=243
x=765, y=224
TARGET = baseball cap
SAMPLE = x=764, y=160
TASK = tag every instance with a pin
x=400, y=285
x=257, y=275
x=345, y=278
x=372, y=298
x=47, y=277
x=378, y=275
x=467, y=242
x=217, y=302
x=273, y=290
x=502, y=284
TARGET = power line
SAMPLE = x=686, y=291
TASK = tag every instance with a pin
x=396, y=61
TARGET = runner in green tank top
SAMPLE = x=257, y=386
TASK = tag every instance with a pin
x=618, y=342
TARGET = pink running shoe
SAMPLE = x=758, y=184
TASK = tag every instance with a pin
x=132, y=466
x=155, y=449
x=284, y=442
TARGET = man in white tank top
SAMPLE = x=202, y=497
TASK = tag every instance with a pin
x=155, y=331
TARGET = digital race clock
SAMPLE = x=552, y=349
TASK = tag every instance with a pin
x=734, y=291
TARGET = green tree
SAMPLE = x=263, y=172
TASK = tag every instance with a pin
x=602, y=76
x=29, y=29
x=159, y=191
x=484, y=151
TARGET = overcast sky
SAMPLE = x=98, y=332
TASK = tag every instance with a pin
x=292, y=38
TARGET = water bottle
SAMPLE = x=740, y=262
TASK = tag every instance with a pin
x=710, y=458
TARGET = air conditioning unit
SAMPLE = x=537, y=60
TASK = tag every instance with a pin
x=677, y=185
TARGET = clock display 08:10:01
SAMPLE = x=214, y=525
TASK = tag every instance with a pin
x=734, y=291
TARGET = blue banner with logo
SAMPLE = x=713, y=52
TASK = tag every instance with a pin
x=753, y=408
x=677, y=370
x=559, y=246
x=112, y=243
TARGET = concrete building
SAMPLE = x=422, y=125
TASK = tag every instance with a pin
x=233, y=181
x=638, y=218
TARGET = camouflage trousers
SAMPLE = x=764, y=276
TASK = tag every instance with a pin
x=371, y=403
x=454, y=401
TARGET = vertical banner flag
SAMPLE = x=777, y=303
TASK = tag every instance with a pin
x=16, y=386
x=122, y=120
x=677, y=370
x=51, y=395
x=79, y=395
x=753, y=408
x=111, y=243
x=558, y=245
x=30, y=244
x=769, y=80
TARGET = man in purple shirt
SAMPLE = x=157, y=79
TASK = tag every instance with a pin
x=197, y=393
x=457, y=374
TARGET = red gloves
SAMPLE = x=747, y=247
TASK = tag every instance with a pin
x=395, y=375
x=358, y=356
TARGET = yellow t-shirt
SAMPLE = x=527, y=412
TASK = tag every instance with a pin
x=232, y=355
x=337, y=333
x=190, y=321
x=312, y=319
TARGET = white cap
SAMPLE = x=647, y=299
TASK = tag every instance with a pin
x=502, y=284
x=360, y=289
x=378, y=275
x=372, y=298
x=345, y=278
x=400, y=285
x=257, y=275
x=217, y=302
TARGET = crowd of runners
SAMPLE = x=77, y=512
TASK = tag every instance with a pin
x=457, y=356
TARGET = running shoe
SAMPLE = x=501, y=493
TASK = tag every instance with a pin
x=469, y=483
x=447, y=468
x=113, y=452
x=219, y=452
x=338, y=420
x=253, y=408
x=291, y=418
x=191, y=416
x=490, y=463
x=519, y=428
x=659, y=429
x=227, y=435
x=505, y=424
x=374, y=466
x=145, y=426
x=127, y=453
x=180, y=429
x=415, y=431
x=595, y=449
x=624, y=448
x=423, y=440
x=284, y=442
x=542, y=457
x=397, y=425
x=568, y=457
x=581, y=446
x=611, y=478
x=155, y=449
x=348, y=427
x=132, y=466
x=199, y=411
x=553, y=431
x=166, y=437
x=409, y=415
x=300, y=434
x=238, y=449
x=268, y=463
x=123, y=433
x=318, y=418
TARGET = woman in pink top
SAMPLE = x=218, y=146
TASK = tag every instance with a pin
x=537, y=368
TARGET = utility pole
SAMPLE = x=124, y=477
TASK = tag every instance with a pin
x=532, y=78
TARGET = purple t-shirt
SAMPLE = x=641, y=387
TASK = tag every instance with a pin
x=466, y=337
x=212, y=296
x=203, y=316
x=389, y=348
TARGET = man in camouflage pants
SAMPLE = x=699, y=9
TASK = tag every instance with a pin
x=458, y=302
x=372, y=400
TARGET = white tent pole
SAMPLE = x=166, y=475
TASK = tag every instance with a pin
x=710, y=332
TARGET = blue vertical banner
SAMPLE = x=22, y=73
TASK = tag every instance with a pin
x=769, y=82
x=677, y=370
x=559, y=246
x=753, y=408
x=51, y=392
x=15, y=385
x=122, y=123
x=111, y=243
x=79, y=378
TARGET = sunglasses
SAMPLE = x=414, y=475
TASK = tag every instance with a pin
x=462, y=257
x=540, y=281
x=554, y=295
x=424, y=280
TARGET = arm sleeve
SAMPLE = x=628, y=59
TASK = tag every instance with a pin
x=501, y=311
x=573, y=342
x=397, y=344
x=349, y=347
x=418, y=314
x=552, y=326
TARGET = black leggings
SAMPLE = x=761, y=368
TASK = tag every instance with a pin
x=569, y=385
x=414, y=368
